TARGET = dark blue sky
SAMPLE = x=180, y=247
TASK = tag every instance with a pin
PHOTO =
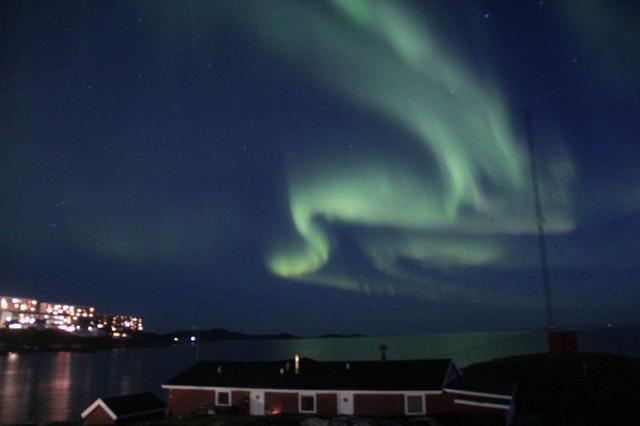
x=321, y=167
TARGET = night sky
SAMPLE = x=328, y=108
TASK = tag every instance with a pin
x=317, y=167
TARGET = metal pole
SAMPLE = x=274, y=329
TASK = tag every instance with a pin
x=540, y=221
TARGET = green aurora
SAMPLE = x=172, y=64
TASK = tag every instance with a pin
x=453, y=207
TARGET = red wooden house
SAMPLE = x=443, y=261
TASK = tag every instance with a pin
x=373, y=388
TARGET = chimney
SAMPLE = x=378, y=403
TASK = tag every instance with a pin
x=297, y=364
x=383, y=352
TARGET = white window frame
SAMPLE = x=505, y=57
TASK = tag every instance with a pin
x=228, y=404
x=406, y=404
x=315, y=403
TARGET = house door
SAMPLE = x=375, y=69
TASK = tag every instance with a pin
x=256, y=403
x=345, y=403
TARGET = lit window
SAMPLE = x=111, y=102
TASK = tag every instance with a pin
x=307, y=403
x=223, y=398
x=414, y=404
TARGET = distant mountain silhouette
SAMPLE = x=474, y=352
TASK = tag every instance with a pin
x=213, y=334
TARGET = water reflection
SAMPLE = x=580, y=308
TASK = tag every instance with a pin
x=10, y=383
x=43, y=386
x=57, y=399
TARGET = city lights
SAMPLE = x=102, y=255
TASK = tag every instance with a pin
x=20, y=313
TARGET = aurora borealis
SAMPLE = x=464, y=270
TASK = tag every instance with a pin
x=468, y=158
x=310, y=165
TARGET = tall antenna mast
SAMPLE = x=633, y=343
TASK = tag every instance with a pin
x=542, y=244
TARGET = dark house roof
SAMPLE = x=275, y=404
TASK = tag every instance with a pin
x=488, y=385
x=317, y=375
x=128, y=405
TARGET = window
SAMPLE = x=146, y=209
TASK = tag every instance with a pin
x=307, y=403
x=223, y=398
x=414, y=404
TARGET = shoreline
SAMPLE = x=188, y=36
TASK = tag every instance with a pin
x=39, y=341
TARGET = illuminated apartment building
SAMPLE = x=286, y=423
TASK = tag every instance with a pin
x=18, y=312
x=67, y=317
x=119, y=325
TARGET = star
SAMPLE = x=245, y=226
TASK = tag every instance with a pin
x=487, y=15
